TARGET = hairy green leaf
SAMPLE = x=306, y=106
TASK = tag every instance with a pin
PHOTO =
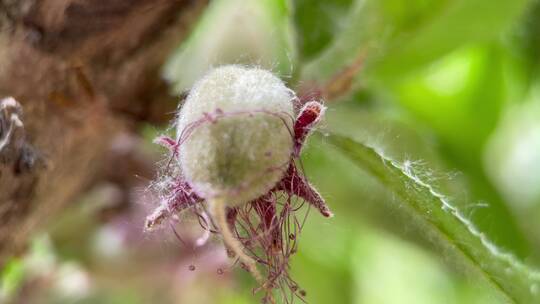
x=439, y=216
x=447, y=96
x=396, y=40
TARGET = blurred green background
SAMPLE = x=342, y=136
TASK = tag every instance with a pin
x=449, y=86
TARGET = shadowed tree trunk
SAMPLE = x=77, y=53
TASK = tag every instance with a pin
x=82, y=70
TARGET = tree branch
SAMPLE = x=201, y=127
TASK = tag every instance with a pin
x=83, y=70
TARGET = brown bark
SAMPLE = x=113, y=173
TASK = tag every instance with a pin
x=83, y=70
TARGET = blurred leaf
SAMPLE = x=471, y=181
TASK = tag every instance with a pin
x=399, y=36
x=458, y=23
x=512, y=161
x=525, y=38
x=441, y=219
x=257, y=32
x=379, y=266
x=11, y=278
x=512, y=156
x=325, y=248
x=451, y=93
x=317, y=22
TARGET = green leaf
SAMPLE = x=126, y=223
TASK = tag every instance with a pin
x=448, y=96
x=442, y=221
x=11, y=278
x=352, y=193
x=378, y=266
x=458, y=23
x=524, y=41
x=317, y=23
x=399, y=36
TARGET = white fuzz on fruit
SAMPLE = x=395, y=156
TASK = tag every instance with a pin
x=235, y=133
